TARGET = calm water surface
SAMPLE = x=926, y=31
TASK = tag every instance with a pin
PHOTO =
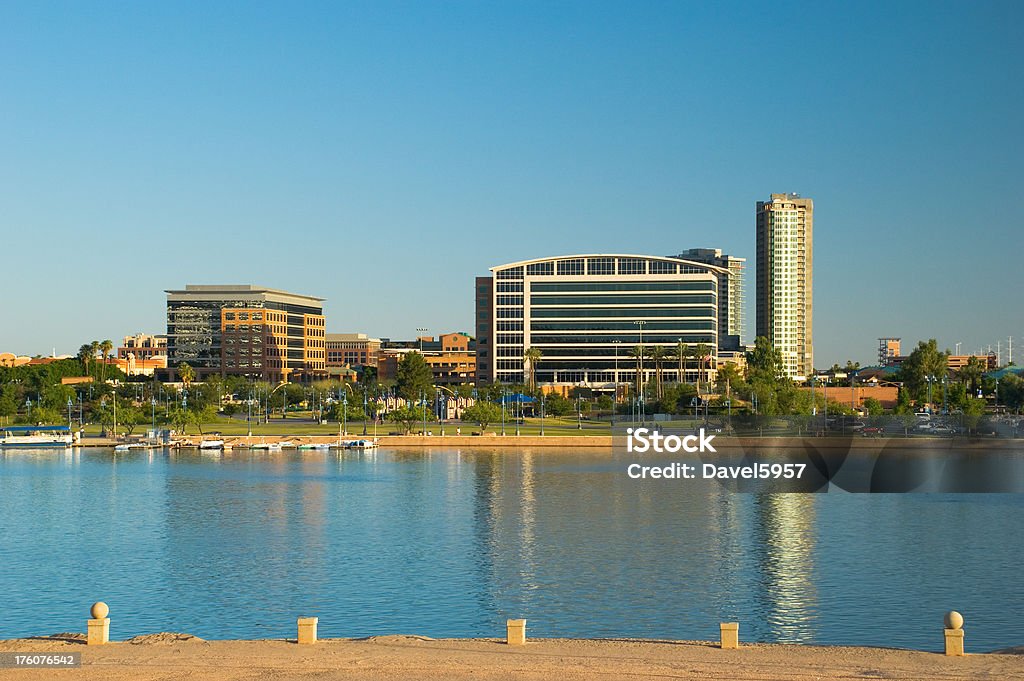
x=451, y=543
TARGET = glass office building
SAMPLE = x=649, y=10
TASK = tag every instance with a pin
x=246, y=330
x=586, y=313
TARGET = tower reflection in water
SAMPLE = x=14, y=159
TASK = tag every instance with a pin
x=784, y=544
x=574, y=545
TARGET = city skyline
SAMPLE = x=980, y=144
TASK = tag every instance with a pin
x=375, y=155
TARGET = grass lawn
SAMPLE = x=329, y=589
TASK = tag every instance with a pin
x=301, y=424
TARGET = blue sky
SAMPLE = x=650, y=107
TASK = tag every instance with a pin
x=381, y=155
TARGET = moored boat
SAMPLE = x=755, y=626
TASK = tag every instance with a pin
x=360, y=444
x=36, y=436
x=211, y=444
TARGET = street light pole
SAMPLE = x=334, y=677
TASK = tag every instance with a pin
x=615, y=402
x=542, y=414
x=640, y=323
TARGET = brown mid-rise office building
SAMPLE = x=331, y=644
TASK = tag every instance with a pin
x=352, y=350
x=252, y=331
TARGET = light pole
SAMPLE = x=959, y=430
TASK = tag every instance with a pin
x=69, y=413
x=419, y=332
x=640, y=323
x=542, y=414
x=344, y=413
x=517, y=409
x=152, y=405
x=931, y=381
x=503, y=412
x=615, y=402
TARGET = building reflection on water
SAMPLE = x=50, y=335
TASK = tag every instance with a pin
x=560, y=540
x=785, y=533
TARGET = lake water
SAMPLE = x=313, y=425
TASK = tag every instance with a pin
x=450, y=544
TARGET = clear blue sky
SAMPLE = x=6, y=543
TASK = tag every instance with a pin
x=381, y=155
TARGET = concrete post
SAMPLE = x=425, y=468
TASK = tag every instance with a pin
x=515, y=632
x=99, y=626
x=954, y=622
x=307, y=629
x=730, y=635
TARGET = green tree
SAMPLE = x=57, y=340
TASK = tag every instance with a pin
x=556, y=405
x=408, y=416
x=8, y=401
x=482, y=412
x=201, y=415
x=414, y=377
x=179, y=418
x=925, y=362
x=873, y=407
x=731, y=378
x=904, y=405
x=368, y=376
x=764, y=363
x=970, y=375
x=1010, y=391
x=129, y=417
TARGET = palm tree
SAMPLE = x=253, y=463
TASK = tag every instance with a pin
x=638, y=352
x=85, y=355
x=971, y=374
x=701, y=352
x=683, y=353
x=186, y=373
x=95, y=348
x=532, y=358
x=105, y=348
x=658, y=355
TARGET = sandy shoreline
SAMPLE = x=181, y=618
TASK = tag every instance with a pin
x=422, y=659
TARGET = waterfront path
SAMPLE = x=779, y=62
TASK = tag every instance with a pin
x=421, y=659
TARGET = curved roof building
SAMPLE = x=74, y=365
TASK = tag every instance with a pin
x=585, y=313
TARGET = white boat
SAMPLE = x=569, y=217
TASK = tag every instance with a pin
x=211, y=444
x=361, y=444
x=315, y=445
x=266, y=446
x=130, y=446
x=36, y=436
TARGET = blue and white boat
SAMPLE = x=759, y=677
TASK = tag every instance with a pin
x=36, y=436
